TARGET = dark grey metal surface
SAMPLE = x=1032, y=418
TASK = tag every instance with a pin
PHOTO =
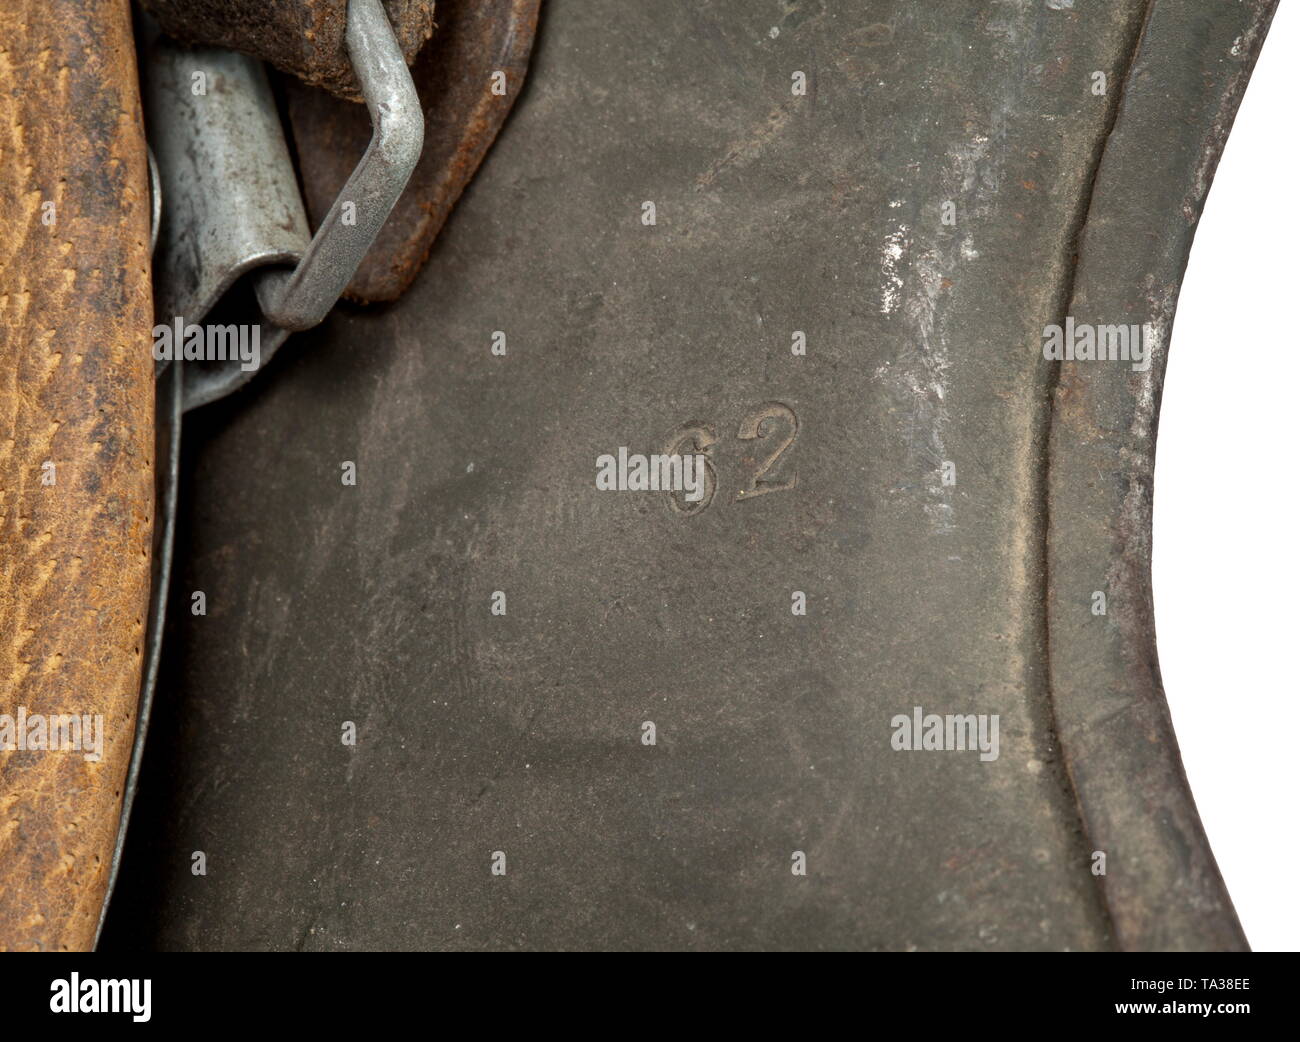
x=1163, y=887
x=521, y=733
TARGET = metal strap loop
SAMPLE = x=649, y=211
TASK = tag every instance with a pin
x=234, y=244
x=302, y=298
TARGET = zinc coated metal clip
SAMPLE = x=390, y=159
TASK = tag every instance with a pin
x=234, y=247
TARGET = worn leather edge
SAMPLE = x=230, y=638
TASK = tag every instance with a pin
x=169, y=392
x=77, y=394
x=1161, y=887
x=305, y=38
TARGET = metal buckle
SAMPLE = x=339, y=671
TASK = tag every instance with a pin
x=233, y=217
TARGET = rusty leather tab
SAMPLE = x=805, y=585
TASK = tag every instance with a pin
x=468, y=79
x=76, y=444
x=304, y=37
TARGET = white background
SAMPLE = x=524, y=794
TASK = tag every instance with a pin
x=1227, y=489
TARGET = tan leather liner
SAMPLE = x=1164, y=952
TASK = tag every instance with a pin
x=76, y=445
